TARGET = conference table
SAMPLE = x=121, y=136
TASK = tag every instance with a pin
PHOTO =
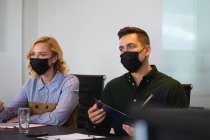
x=13, y=134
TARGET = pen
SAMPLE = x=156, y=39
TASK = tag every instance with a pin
x=147, y=100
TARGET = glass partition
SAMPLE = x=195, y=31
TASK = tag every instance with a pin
x=186, y=46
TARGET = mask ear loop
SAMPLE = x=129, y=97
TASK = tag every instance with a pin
x=141, y=51
x=52, y=57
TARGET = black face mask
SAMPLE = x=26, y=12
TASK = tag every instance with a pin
x=130, y=61
x=40, y=66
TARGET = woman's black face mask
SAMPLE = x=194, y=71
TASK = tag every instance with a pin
x=130, y=60
x=40, y=66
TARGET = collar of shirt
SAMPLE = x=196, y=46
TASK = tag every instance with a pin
x=52, y=85
x=146, y=79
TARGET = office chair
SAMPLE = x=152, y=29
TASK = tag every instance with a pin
x=188, y=88
x=91, y=87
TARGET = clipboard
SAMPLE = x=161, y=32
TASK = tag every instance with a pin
x=116, y=118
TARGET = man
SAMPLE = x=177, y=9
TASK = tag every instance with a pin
x=140, y=83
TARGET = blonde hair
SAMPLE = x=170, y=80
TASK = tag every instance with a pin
x=60, y=65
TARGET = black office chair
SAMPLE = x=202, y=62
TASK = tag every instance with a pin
x=91, y=87
x=188, y=88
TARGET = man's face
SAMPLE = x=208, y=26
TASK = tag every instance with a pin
x=130, y=43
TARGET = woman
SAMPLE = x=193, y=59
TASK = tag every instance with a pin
x=51, y=94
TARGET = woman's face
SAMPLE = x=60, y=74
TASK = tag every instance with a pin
x=41, y=50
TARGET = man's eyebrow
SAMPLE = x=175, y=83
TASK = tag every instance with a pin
x=127, y=45
x=130, y=44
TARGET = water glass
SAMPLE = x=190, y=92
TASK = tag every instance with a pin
x=24, y=115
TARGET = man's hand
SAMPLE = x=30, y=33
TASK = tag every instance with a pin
x=130, y=130
x=96, y=115
x=1, y=106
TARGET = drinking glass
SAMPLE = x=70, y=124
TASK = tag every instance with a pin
x=23, y=114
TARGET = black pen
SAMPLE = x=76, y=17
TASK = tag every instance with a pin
x=147, y=100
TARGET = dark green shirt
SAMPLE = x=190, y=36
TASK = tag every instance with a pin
x=122, y=92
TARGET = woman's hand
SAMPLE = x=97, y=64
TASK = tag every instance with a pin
x=1, y=106
x=14, y=120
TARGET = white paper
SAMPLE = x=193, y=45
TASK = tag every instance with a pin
x=74, y=136
x=8, y=125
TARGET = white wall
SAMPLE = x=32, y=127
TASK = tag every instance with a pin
x=30, y=30
x=10, y=48
x=87, y=30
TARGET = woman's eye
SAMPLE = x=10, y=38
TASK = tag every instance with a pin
x=32, y=54
x=42, y=54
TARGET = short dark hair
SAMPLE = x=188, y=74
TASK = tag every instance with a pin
x=142, y=35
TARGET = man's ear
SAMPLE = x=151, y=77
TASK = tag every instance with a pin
x=148, y=50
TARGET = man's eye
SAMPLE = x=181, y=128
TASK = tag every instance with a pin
x=131, y=46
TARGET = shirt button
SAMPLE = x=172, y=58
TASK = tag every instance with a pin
x=133, y=84
x=134, y=100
